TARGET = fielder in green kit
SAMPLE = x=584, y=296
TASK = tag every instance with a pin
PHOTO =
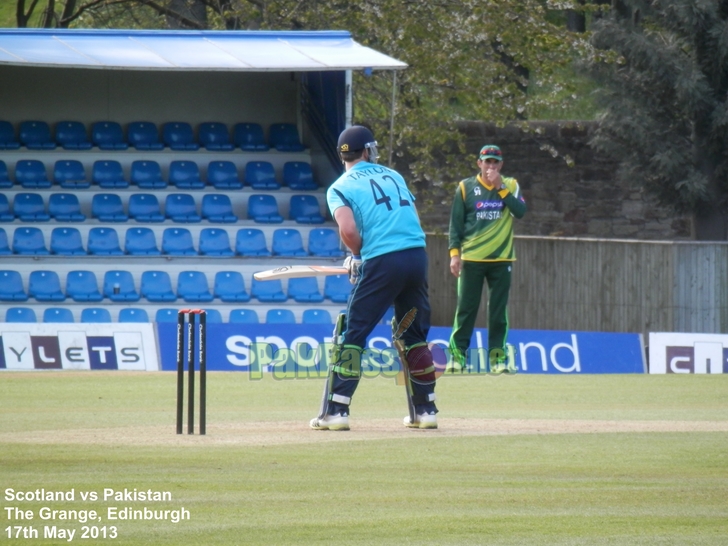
x=481, y=249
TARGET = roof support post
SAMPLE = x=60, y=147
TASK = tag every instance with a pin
x=348, y=108
x=391, y=118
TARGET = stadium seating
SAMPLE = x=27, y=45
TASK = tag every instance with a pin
x=58, y=314
x=223, y=175
x=178, y=242
x=7, y=136
x=29, y=207
x=141, y=241
x=215, y=136
x=192, y=286
x=229, y=286
x=45, y=286
x=217, y=208
x=132, y=314
x=67, y=241
x=29, y=241
x=6, y=215
x=64, y=207
x=36, y=135
x=263, y=209
x=288, y=242
x=267, y=291
x=108, y=175
x=108, y=135
x=31, y=174
x=166, y=315
x=304, y=290
x=119, y=286
x=143, y=135
x=71, y=135
x=20, y=314
x=243, y=316
x=280, y=316
x=214, y=242
x=185, y=175
x=284, y=138
x=147, y=175
x=250, y=137
x=70, y=174
x=305, y=209
x=95, y=314
x=11, y=286
x=324, y=242
x=298, y=176
x=337, y=288
x=316, y=316
x=181, y=207
x=103, y=241
x=81, y=285
x=107, y=207
x=260, y=175
x=156, y=286
x=4, y=246
x=5, y=181
x=251, y=242
x=213, y=316
x=179, y=136
x=144, y=207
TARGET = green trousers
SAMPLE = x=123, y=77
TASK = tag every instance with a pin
x=470, y=291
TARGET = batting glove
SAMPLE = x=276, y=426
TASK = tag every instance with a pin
x=353, y=265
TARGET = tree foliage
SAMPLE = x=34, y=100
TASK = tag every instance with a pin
x=665, y=99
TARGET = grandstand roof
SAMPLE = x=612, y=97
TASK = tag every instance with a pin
x=247, y=51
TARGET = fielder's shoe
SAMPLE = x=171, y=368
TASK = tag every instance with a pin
x=498, y=366
x=423, y=420
x=340, y=421
x=511, y=367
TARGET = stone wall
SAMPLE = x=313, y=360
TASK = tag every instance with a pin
x=570, y=189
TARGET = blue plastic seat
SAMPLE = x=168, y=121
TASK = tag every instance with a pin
x=11, y=286
x=108, y=135
x=284, y=138
x=4, y=246
x=7, y=136
x=81, y=285
x=263, y=209
x=31, y=173
x=324, y=242
x=29, y=241
x=250, y=137
x=69, y=173
x=107, y=207
x=260, y=175
x=181, y=207
x=316, y=316
x=229, y=286
x=304, y=290
x=58, y=314
x=213, y=316
x=305, y=209
x=95, y=314
x=215, y=136
x=157, y=286
x=144, y=207
x=166, y=315
x=6, y=215
x=298, y=176
x=337, y=288
x=192, y=286
x=119, y=286
x=179, y=136
x=144, y=135
x=72, y=136
x=66, y=241
x=251, y=242
x=29, y=207
x=133, y=314
x=267, y=291
x=243, y=316
x=185, y=175
x=36, y=135
x=223, y=175
x=178, y=242
x=147, y=175
x=218, y=208
x=45, y=286
x=5, y=181
x=103, y=242
x=64, y=207
x=280, y=316
x=20, y=314
x=108, y=174
x=215, y=242
x=288, y=242
x=141, y=241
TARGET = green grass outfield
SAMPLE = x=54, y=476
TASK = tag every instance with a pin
x=526, y=460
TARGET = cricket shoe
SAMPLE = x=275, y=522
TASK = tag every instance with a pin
x=498, y=367
x=340, y=421
x=422, y=420
x=455, y=367
x=511, y=368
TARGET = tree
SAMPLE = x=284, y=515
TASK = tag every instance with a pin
x=666, y=103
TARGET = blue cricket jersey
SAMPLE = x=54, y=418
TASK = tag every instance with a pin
x=383, y=208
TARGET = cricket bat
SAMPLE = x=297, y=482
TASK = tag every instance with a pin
x=293, y=271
